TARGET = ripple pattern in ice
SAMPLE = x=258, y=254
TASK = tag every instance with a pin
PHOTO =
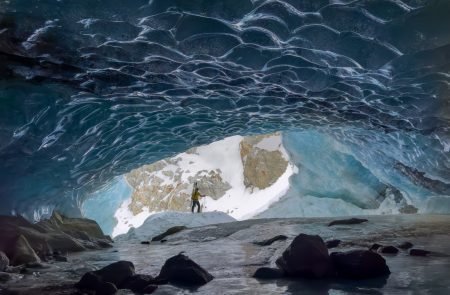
x=92, y=89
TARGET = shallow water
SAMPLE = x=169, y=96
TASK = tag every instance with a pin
x=227, y=253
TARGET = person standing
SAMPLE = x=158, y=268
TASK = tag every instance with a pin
x=196, y=198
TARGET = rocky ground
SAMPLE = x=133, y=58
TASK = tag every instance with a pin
x=232, y=252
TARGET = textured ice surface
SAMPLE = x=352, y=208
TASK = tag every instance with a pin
x=90, y=90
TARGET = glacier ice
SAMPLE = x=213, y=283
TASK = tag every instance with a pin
x=89, y=91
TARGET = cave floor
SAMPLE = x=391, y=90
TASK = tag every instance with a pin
x=227, y=252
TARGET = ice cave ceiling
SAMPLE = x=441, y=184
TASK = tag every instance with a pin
x=92, y=89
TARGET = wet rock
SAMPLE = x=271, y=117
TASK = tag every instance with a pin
x=116, y=272
x=169, y=232
x=163, y=241
x=268, y=273
x=149, y=289
x=89, y=281
x=332, y=243
x=103, y=244
x=105, y=288
x=359, y=264
x=4, y=277
x=23, y=253
x=270, y=241
x=405, y=245
x=388, y=250
x=375, y=247
x=60, y=258
x=57, y=253
x=145, y=242
x=180, y=269
x=307, y=256
x=418, y=252
x=35, y=265
x=137, y=283
x=347, y=221
x=4, y=261
x=108, y=238
x=60, y=233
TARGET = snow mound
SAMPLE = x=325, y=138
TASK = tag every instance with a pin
x=158, y=223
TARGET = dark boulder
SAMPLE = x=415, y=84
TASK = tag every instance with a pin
x=405, y=245
x=60, y=258
x=145, y=242
x=4, y=261
x=375, y=247
x=137, y=283
x=170, y=231
x=116, y=272
x=22, y=252
x=388, y=250
x=106, y=288
x=4, y=277
x=418, y=252
x=270, y=241
x=149, y=289
x=268, y=273
x=347, y=221
x=359, y=264
x=89, y=280
x=180, y=269
x=332, y=243
x=307, y=256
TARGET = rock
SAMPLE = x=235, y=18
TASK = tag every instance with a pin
x=108, y=238
x=418, y=252
x=89, y=280
x=163, y=241
x=4, y=277
x=347, y=221
x=332, y=243
x=270, y=241
x=35, y=265
x=57, y=252
x=169, y=232
x=145, y=242
x=268, y=273
x=180, y=269
x=359, y=264
x=262, y=167
x=103, y=244
x=23, y=253
x=137, y=283
x=149, y=289
x=4, y=261
x=375, y=247
x=60, y=258
x=58, y=232
x=116, y=272
x=105, y=288
x=307, y=256
x=388, y=250
x=405, y=245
